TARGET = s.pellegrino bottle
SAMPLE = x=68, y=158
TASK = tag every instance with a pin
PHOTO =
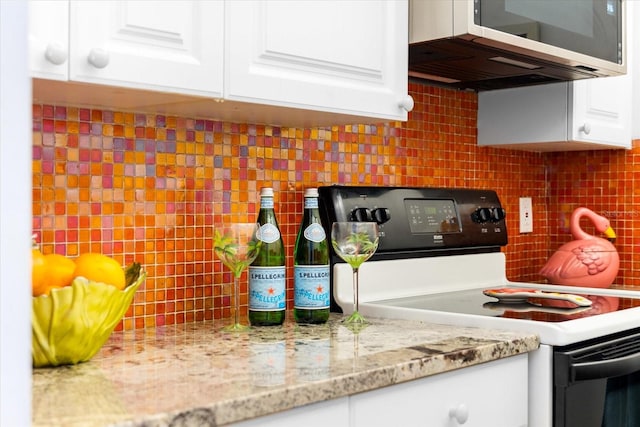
x=311, y=265
x=267, y=275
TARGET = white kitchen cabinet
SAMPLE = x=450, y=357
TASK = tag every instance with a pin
x=49, y=39
x=334, y=413
x=491, y=394
x=306, y=64
x=341, y=56
x=582, y=115
x=590, y=114
x=169, y=46
x=602, y=111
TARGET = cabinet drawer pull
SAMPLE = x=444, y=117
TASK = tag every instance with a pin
x=460, y=413
x=586, y=128
x=55, y=53
x=99, y=58
x=406, y=103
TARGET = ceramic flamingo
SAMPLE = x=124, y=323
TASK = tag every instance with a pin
x=588, y=260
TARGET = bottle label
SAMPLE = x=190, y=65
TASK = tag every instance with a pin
x=267, y=288
x=315, y=233
x=266, y=203
x=268, y=233
x=311, y=286
x=311, y=203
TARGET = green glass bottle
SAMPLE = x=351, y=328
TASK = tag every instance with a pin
x=267, y=274
x=311, y=265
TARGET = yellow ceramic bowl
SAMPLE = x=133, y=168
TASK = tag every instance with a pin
x=72, y=323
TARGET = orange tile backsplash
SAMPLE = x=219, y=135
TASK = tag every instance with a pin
x=149, y=188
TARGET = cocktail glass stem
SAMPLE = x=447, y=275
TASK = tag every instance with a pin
x=236, y=326
x=236, y=300
x=355, y=317
x=355, y=289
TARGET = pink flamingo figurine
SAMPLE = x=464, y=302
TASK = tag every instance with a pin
x=588, y=260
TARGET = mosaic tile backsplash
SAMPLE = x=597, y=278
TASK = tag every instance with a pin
x=149, y=188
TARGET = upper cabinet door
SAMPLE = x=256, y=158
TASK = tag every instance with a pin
x=602, y=108
x=171, y=46
x=49, y=39
x=338, y=56
x=601, y=111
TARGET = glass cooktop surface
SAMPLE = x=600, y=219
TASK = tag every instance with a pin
x=475, y=302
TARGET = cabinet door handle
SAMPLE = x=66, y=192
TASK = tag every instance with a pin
x=99, y=58
x=460, y=413
x=55, y=53
x=586, y=128
x=406, y=103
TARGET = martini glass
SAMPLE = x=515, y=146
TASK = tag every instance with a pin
x=354, y=242
x=236, y=245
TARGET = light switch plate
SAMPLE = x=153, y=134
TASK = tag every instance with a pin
x=526, y=215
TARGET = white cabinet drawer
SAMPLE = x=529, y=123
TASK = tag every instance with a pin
x=491, y=394
x=334, y=413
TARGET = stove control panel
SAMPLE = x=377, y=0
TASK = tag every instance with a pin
x=420, y=221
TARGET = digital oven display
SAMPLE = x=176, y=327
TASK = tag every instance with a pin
x=432, y=216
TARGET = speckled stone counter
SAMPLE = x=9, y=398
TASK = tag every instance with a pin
x=160, y=376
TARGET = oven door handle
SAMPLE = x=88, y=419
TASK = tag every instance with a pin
x=606, y=368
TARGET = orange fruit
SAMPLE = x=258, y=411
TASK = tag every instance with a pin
x=38, y=273
x=100, y=268
x=59, y=271
x=50, y=271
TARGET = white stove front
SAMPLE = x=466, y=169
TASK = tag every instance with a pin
x=385, y=283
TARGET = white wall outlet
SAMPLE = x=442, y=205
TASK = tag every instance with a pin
x=526, y=215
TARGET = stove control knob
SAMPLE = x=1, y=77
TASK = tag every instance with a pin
x=497, y=214
x=361, y=215
x=381, y=215
x=481, y=215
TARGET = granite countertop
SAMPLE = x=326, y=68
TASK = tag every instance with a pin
x=167, y=374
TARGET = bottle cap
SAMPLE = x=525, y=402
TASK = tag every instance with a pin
x=266, y=192
x=311, y=192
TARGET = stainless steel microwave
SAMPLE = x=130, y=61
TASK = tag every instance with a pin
x=491, y=44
